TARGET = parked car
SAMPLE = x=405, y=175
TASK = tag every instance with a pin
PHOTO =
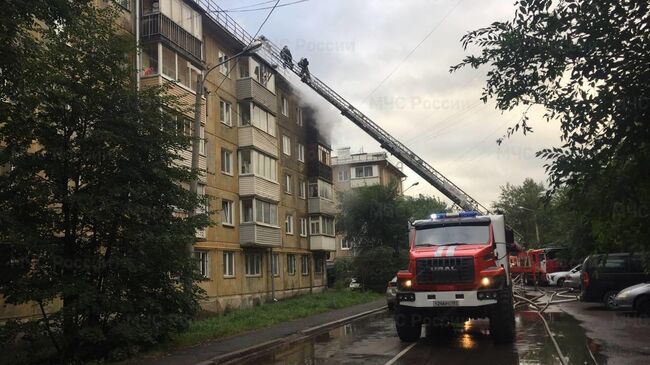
x=636, y=297
x=603, y=276
x=573, y=280
x=558, y=278
x=355, y=284
x=391, y=293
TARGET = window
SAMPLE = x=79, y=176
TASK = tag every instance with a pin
x=344, y=174
x=226, y=161
x=299, y=116
x=126, y=4
x=321, y=225
x=321, y=189
x=325, y=190
x=318, y=264
x=286, y=145
x=323, y=155
x=184, y=126
x=227, y=216
x=178, y=68
x=149, y=57
x=287, y=184
x=285, y=106
x=203, y=207
x=251, y=114
x=302, y=186
x=314, y=225
x=291, y=264
x=288, y=224
x=303, y=227
x=251, y=161
x=203, y=262
x=363, y=171
x=259, y=211
x=253, y=264
x=223, y=63
x=304, y=264
x=345, y=244
x=275, y=264
x=225, y=112
x=229, y=264
x=301, y=153
x=247, y=211
x=202, y=141
x=169, y=63
x=180, y=13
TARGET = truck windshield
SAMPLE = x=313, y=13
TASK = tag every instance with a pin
x=449, y=235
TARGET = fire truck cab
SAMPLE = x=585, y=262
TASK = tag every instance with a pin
x=458, y=269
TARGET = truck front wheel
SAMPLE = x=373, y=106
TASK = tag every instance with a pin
x=408, y=324
x=502, y=319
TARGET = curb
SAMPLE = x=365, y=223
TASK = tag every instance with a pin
x=256, y=350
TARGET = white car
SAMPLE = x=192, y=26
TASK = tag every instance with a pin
x=355, y=284
x=558, y=278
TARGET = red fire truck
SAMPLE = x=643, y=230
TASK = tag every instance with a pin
x=458, y=269
x=535, y=264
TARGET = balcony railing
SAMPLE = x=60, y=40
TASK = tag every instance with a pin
x=156, y=25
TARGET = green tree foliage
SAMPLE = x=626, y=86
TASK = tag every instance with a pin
x=91, y=207
x=374, y=216
x=375, y=219
x=523, y=207
x=587, y=63
x=422, y=206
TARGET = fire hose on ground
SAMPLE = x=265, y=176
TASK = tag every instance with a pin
x=519, y=293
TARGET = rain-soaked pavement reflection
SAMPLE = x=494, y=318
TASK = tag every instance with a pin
x=373, y=340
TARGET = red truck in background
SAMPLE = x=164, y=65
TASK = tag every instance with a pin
x=458, y=269
x=535, y=264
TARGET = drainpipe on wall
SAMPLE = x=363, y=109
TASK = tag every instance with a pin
x=137, y=43
x=271, y=275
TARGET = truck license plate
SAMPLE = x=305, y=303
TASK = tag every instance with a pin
x=445, y=303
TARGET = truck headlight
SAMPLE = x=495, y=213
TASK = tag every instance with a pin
x=408, y=283
x=486, y=281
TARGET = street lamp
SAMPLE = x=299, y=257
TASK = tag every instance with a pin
x=412, y=185
x=535, y=220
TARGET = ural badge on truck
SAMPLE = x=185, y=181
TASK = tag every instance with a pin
x=458, y=269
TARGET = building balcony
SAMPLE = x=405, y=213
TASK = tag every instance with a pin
x=317, y=169
x=321, y=206
x=250, y=185
x=322, y=243
x=156, y=27
x=255, y=235
x=249, y=89
x=367, y=181
x=250, y=136
x=186, y=161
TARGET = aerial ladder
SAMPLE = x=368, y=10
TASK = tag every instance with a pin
x=272, y=54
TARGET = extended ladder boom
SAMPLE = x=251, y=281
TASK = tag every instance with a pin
x=388, y=142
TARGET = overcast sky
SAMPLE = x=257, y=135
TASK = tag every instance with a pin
x=353, y=45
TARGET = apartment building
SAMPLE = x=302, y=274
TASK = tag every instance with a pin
x=354, y=170
x=265, y=167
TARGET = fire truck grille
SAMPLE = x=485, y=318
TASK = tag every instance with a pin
x=445, y=270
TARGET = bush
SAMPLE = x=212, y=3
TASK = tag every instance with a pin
x=374, y=267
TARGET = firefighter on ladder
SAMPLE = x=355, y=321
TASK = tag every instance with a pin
x=285, y=54
x=304, y=68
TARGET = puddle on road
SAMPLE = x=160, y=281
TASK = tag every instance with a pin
x=373, y=341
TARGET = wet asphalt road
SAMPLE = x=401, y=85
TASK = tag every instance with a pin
x=372, y=340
